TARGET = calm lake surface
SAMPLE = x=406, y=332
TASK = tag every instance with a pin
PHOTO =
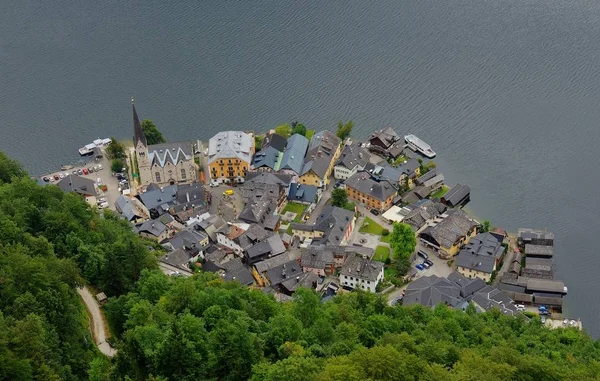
x=507, y=93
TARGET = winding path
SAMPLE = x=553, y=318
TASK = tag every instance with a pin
x=97, y=322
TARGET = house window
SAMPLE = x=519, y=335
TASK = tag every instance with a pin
x=183, y=174
x=157, y=174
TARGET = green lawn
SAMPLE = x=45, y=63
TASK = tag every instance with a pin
x=389, y=272
x=399, y=160
x=295, y=207
x=440, y=192
x=372, y=227
x=381, y=253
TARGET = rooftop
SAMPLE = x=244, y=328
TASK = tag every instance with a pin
x=456, y=224
x=362, y=268
x=230, y=145
x=539, y=250
x=333, y=222
x=456, y=195
x=78, y=184
x=173, y=153
x=353, y=155
x=364, y=183
x=293, y=156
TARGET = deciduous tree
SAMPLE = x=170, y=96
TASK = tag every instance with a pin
x=153, y=135
x=344, y=129
x=402, y=241
x=339, y=197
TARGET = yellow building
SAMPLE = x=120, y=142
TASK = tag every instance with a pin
x=373, y=194
x=450, y=234
x=323, y=151
x=229, y=156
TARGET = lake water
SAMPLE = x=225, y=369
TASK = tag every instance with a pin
x=507, y=93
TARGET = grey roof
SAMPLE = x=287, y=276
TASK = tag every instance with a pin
x=439, y=179
x=457, y=224
x=364, y=183
x=432, y=290
x=353, y=155
x=544, y=285
x=280, y=179
x=279, y=274
x=77, y=184
x=538, y=264
x=173, y=153
x=266, y=158
x=277, y=260
x=178, y=258
x=254, y=234
x=316, y=258
x=362, y=268
x=229, y=145
x=333, y=222
x=138, y=133
x=188, y=238
x=270, y=223
x=302, y=192
x=157, y=197
x=190, y=194
x=308, y=280
x=426, y=176
x=527, y=234
x=456, y=195
x=539, y=250
x=409, y=167
x=386, y=135
x=293, y=157
x=421, y=212
x=483, y=263
x=467, y=286
x=256, y=191
x=321, y=149
x=485, y=244
x=153, y=227
x=276, y=141
x=490, y=297
x=256, y=211
x=125, y=206
x=235, y=270
x=271, y=247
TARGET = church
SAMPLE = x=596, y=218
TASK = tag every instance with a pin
x=162, y=164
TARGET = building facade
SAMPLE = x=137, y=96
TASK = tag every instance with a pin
x=371, y=193
x=163, y=164
x=230, y=156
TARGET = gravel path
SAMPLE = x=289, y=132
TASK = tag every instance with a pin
x=97, y=322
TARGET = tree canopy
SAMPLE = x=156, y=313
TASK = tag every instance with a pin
x=284, y=130
x=299, y=128
x=344, y=129
x=339, y=197
x=115, y=150
x=402, y=241
x=152, y=134
x=9, y=168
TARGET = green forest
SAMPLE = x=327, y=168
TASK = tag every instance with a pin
x=201, y=328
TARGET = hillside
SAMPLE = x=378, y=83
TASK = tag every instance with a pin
x=171, y=328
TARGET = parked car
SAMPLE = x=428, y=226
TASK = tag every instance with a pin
x=46, y=179
x=520, y=307
x=96, y=169
x=100, y=167
x=213, y=184
x=61, y=176
x=85, y=171
x=79, y=172
x=398, y=300
x=422, y=254
x=429, y=262
x=91, y=169
x=56, y=177
x=419, y=267
x=543, y=320
x=74, y=172
x=375, y=212
x=425, y=264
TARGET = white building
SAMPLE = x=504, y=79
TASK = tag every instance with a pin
x=361, y=273
x=352, y=159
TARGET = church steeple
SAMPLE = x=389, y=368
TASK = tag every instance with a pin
x=138, y=133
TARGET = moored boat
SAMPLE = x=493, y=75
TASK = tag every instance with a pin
x=418, y=145
x=88, y=149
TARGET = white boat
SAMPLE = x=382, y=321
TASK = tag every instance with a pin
x=417, y=144
x=88, y=149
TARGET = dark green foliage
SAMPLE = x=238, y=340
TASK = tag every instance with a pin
x=115, y=150
x=152, y=134
x=385, y=232
x=117, y=165
x=236, y=334
x=402, y=241
x=339, y=197
x=298, y=128
x=344, y=129
x=485, y=226
x=284, y=130
x=9, y=168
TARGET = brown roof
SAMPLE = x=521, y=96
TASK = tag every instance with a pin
x=234, y=232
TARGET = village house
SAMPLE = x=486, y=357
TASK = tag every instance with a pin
x=229, y=237
x=431, y=180
x=212, y=225
x=534, y=237
x=333, y=227
x=189, y=239
x=164, y=164
x=458, y=195
x=260, y=268
x=230, y=156
x=323, y=152
x=447, y=236
x=268, y=248
x=292, y=161
x=266, y=160
x=374, y=194
x=352, y=159
x=82, y=186
x=274, y=141
x=360, y=273
x=417, y=215
x=288, y=277
x=386, y=143
x=324, y=259
x=481, y=256
x=159, y=229
x=130, y=209
x=303, y=194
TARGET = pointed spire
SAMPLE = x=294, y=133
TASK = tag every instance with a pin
x=138, y=133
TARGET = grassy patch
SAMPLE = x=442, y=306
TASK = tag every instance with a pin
x=399, y=160
x=350, y=206
x=295, y=207
x=371, y=227
x=385, y=238
x=389, y=272
x=440, y=192
x=381, y=253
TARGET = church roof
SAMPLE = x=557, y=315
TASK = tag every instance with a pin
x=138, y=133
x=173, y=153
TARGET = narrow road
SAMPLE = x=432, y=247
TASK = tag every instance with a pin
x=97, y=322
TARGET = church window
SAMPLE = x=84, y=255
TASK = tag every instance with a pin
x=157, y=174
x=183, y=174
